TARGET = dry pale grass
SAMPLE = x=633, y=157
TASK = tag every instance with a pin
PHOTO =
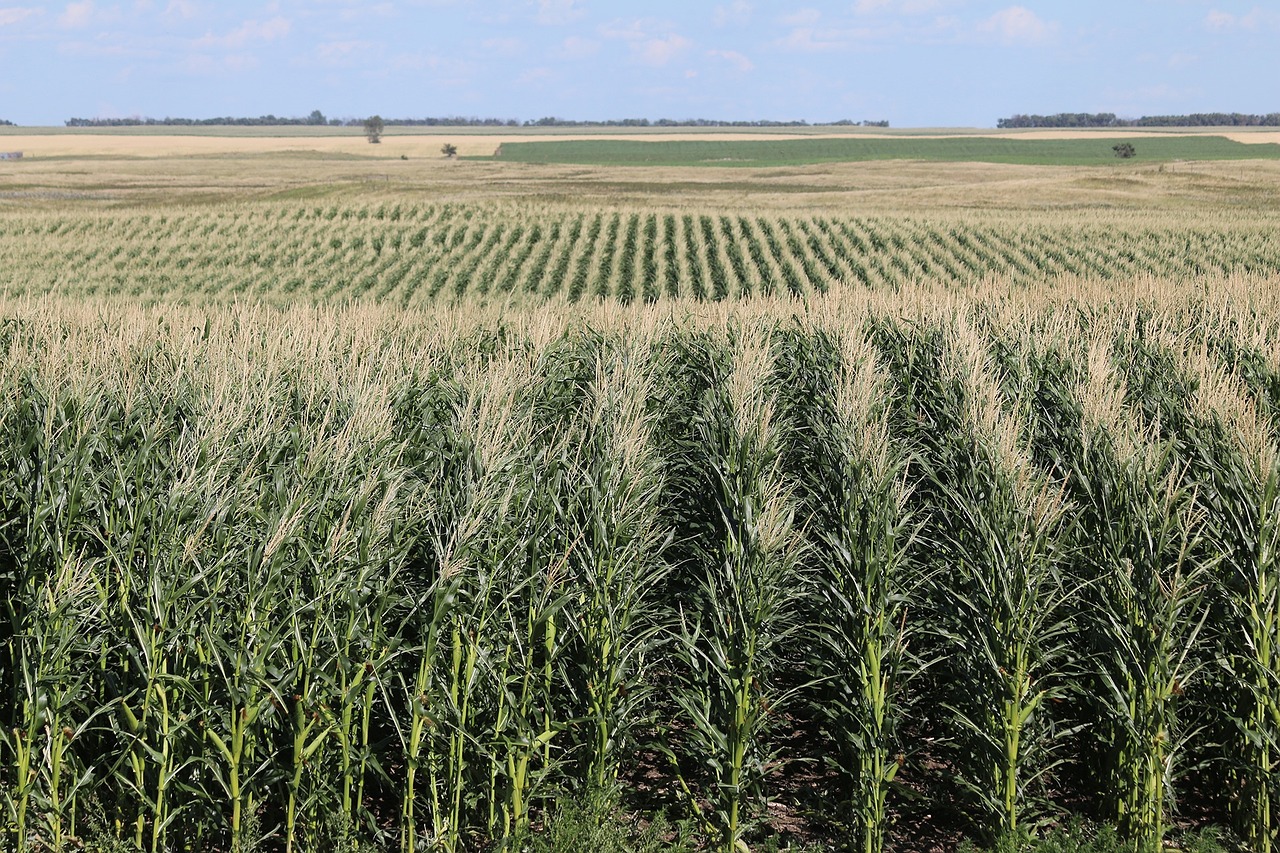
x=1238, y=188
x=413, y=142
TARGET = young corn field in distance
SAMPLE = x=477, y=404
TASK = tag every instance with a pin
x=416, y=254
x=881, y=508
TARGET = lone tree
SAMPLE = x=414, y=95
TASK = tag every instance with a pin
x=373, y=127
x=449, y=149
x=1124, y=150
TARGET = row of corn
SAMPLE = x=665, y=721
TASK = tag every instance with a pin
x=430, y=253
x=316, y=576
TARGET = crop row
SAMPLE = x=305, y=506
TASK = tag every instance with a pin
x=326, y=575
x=417, y=254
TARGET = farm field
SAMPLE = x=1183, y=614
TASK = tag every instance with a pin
x=857, y=505
x=1075, y=151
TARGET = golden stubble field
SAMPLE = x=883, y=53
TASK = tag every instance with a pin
x=80, y=171
x=426, y=142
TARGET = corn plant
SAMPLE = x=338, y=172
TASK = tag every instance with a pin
x=616, y=560
x=1149, y=612
x=55, y=608
x=729, y=645
x=851, y=479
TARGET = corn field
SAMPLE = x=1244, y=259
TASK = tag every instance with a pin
x=315, y=575
x=417, y=254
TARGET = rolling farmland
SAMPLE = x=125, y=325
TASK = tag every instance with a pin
x=418, y=254
x=356, y=501
x=1082, y=150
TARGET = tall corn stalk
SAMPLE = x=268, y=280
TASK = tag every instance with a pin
x=990, y=540
x=851, y=479
x=1231, y=451
x=616, y=562
x=1149, y=611
x=729, y=643
x=54, y=610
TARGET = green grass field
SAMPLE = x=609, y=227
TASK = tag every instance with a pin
x=1030, y=152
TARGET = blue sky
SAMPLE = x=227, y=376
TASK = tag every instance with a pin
x=914, y=62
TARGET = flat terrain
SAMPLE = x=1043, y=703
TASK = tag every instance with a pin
x=228, y=215
x=353, y=494
x=480, y=141
x=1075, y=151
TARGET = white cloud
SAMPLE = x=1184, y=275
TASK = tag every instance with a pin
x=625, y=30
x=896, y=7
x=555, y=12
x=1254, y=20
x=802, y=18
x=11, y=16
x=660, y=51
x=180, y=10
x=820, y=39
x=535, y=76
x=250, y=31
x=738, y=12
x=576, y=47
x=203, y=64
x=342, y=54
x=1018, y=25
x=364, y=11
x=444, y=69
x=502, y=46
x=76, y=15
x=737, y=60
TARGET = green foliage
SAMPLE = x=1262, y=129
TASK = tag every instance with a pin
x=594, y=822
x=425, y=254
x=315, y=580
x=759, y=153
x=1079, y=836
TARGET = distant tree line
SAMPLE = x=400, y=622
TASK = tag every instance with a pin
x=552, y=121
x=1111, y=120
x=7, y=123
x=317, y=118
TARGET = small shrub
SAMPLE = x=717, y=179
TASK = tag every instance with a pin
x=1124, y=150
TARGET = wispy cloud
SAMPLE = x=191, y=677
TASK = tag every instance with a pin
x=270, y=30
x=503, y=46
x=577, y=47
x=802, y=18
x=11, y=16
x=652, y=42
x=734, y=58
x=536, y=76
x=343, y=54
x=180, y=10
x=201, y=64
x=896, y=7
x=660, y=51
x=76, y=15
x=1255, y=20
x=737, y=13
x=820, y=39
x=1018, y=25
x=368, y=11
x=558, y=12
